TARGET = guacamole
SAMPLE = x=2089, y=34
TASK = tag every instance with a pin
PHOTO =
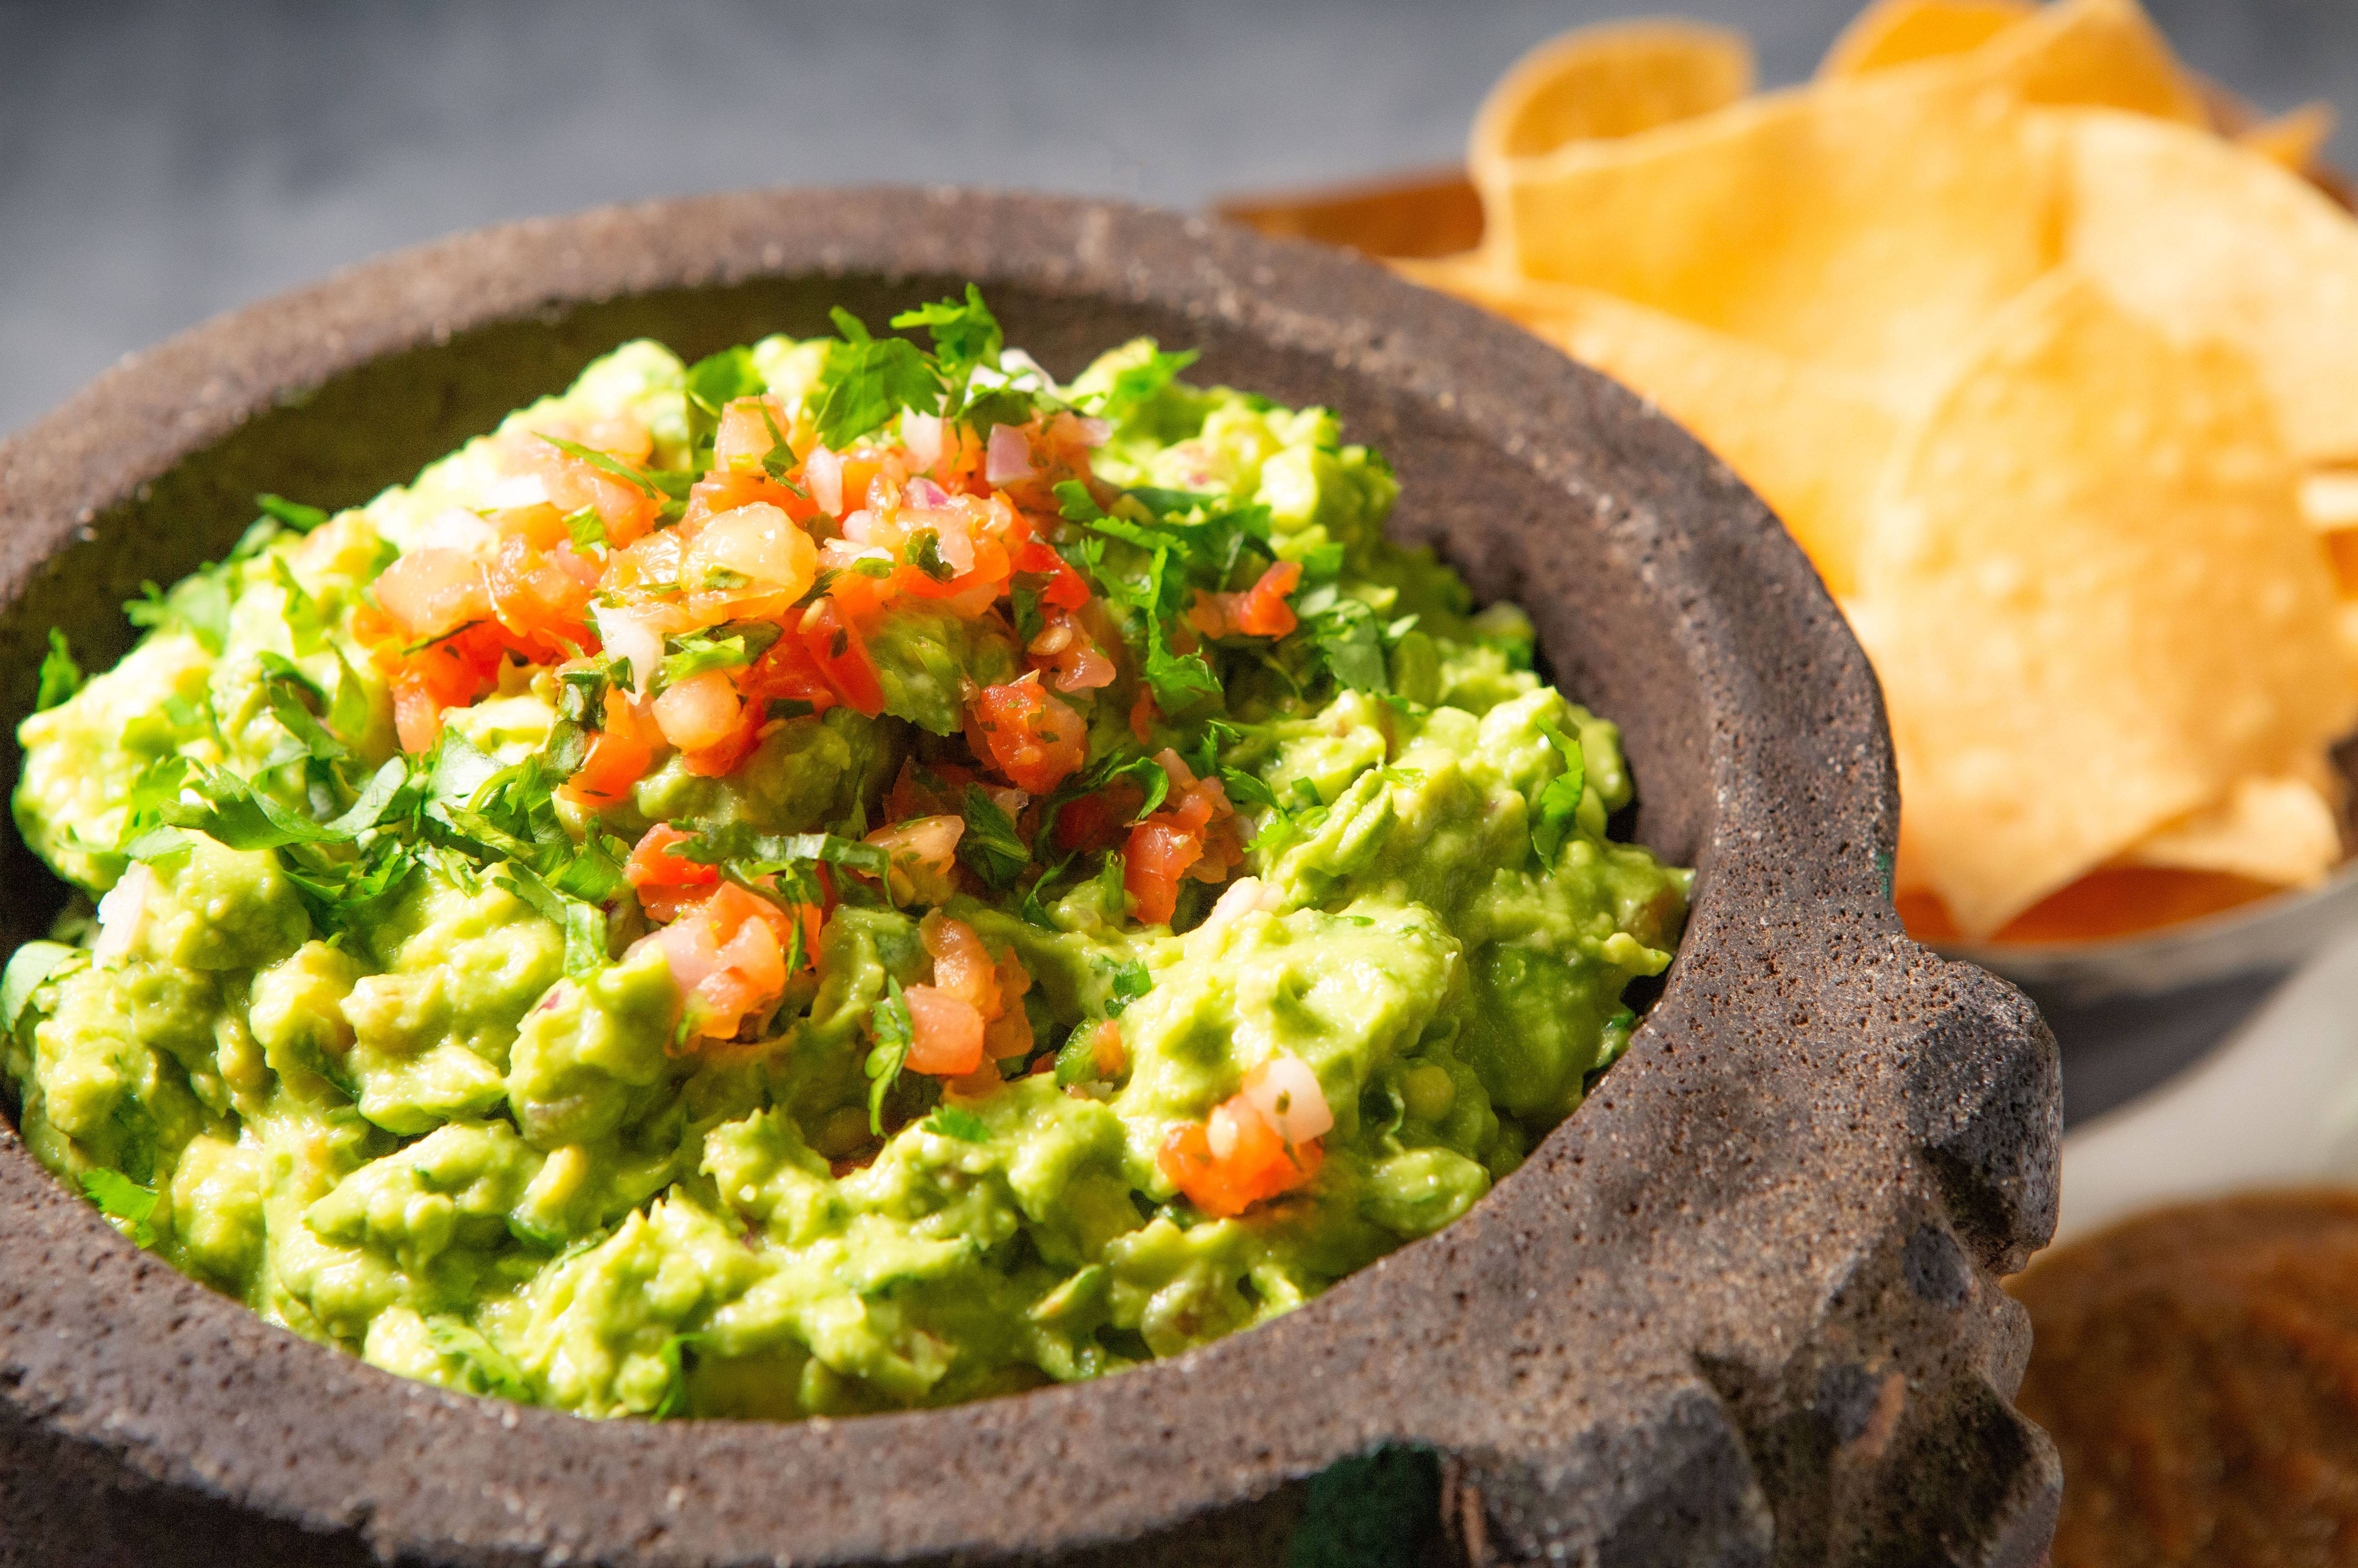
x=839, y=877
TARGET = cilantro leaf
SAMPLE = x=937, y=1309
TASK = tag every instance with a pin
x=1346, y=634
x=1140, y=382
x=965, y=333
x=285, y=689
x=1032, y=910
x=584, y=924
x=30, y=967
x=198, y=604
x=729, y=645
x=1553, y=812
x=61, y=677
x=868, y=380
x=990, y=844
x=894, y=1034
x=293, y=514
x=674, y=1355
x=1248, y=789
x=712, y=384
x=119, y=1198
x=588, y=529
x=1131, y=980
x=488, y=1369
x=949, y=1122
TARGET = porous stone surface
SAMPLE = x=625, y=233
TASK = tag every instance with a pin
x=1741, y=1309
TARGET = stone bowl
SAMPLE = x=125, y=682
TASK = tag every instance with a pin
x=1742, y=1308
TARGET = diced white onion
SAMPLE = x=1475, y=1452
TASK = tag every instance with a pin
x=515, y=490
x=123, y=913
x=1286, y=1093
x=823, y=472
x=633, y=641
x=922, y=434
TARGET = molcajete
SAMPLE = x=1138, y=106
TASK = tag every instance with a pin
x=1741, y=1308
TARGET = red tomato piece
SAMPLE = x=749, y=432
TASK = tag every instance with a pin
x=1035, y=740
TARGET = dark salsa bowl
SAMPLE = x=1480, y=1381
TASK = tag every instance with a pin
x=1742, y=1306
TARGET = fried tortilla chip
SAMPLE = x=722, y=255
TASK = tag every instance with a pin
x=1808, y=440
x=1862, y=227
x=1901, y=32
x=2279, y=828
x=2293, y=139
x=2208, y=241
x=1612, y=80
x=2092, y=600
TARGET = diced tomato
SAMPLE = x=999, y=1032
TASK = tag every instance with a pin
x=1107, y=1054
x=1142, y=714
x=841, y=655
x=922, y=855
x=1262, y=610
x=543, y=597
x=727, y=955
x=664, y=878
x=945, y=1032
x=1035, y=740
x=1156, y=857
x=912, y=795
x=429, y=592
x=788, y=671
x=1171, y=844
x=1066, y=589
x=1234, y=1159
x=1065, y=646
x=1259, y=612
x=963, y=966
x=754, y=551
x=1010, y=1034
x=620, y=754
x=1096, y=820
x=720, y=491
x=452, y=672
x=626, y=511
x=751, y=428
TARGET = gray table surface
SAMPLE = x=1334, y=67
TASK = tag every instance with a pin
x=160, y=163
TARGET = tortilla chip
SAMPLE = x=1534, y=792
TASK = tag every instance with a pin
x=1861, y=226
x=1901, y=32
x=1807, y=439
x=1613, y=80
x=2099, y=53
x=2293, y=139
x=2209, y=240
x=2278, y=829
x=2091, y=599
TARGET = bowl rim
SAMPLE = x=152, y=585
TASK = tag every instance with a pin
x=193, y=1391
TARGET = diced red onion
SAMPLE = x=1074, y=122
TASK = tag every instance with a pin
x=1009, y=457
x=1095, y=432
x=924, y=492
x=922, y=434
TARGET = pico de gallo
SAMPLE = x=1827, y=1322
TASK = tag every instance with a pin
x=845, y=874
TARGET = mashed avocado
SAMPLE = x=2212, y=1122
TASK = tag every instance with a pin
x=831, y=879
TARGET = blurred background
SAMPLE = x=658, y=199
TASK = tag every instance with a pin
x=161, y=162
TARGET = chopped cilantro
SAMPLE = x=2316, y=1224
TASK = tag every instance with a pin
x=1140, y=382
x=1553, y=812
x=868, y=380
x=727, y=646
x=989, y=843
x=290, y=513
x=119, y=1198
x=949, y=1122
x=1131, y=980
x=61, y=677
x=894, y=1034
x=487, y=1369
x=588, y=529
